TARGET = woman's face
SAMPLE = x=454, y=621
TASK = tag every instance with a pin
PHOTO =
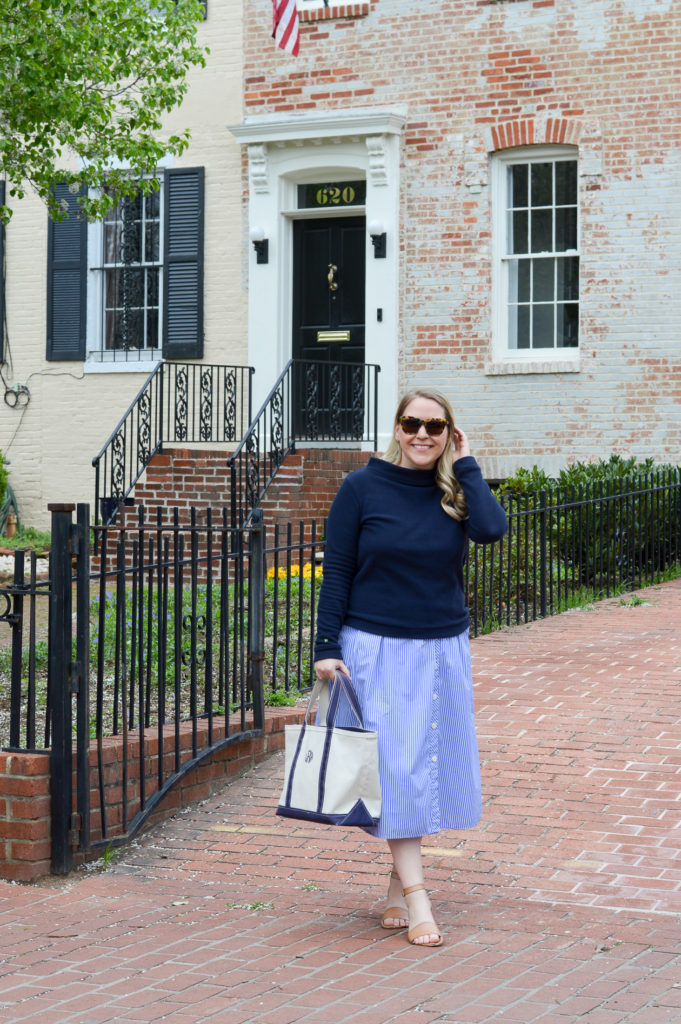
x=420, y=451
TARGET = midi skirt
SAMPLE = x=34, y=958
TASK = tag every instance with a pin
x=418, y=696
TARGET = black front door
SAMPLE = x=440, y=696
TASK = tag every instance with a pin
x=328, y=326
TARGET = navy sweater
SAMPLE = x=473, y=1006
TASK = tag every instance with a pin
x=393, y=563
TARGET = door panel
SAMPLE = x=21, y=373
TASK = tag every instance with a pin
x=328, y=298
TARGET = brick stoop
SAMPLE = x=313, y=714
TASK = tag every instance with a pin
x=307, y=483
x=304, y=487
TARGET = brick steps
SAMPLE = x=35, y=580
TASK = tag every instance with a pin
x=303, y=488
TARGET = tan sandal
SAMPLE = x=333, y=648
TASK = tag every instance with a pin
x=394, y=913
x=426, y=927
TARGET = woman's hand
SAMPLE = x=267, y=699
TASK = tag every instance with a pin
x=460, y=444
x=326, y=668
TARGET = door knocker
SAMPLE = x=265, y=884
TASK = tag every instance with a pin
x=333, y=285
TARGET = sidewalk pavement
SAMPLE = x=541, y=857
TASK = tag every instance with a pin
x=563, y=906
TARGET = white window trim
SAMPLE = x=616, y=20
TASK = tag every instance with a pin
x=518, y=361
x=96, y=360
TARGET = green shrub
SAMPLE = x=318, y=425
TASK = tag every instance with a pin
x=615, y=520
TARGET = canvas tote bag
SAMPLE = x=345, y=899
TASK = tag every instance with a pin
x=331, y=772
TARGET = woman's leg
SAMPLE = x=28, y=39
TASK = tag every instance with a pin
x=406, y=854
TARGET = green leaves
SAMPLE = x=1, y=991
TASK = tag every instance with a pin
x=84, y=85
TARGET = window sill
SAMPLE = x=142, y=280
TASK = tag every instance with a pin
x=500, y=367
x=144, y=366
x=334, y=12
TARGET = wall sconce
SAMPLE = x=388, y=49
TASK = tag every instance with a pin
x=377, y=232
x=260, y=244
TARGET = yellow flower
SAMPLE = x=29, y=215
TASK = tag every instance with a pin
x=295, y=572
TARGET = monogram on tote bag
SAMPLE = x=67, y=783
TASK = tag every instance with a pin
x=331, y=771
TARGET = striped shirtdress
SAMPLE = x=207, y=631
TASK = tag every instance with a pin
x=418, y=696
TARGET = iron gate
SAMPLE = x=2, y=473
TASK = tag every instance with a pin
x=171, y=674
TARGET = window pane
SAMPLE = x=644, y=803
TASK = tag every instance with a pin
x=566, y=228
x=128, y=329
x=152, y=287
x=132, y=290
x=541, y=184
x=541, y=231
x=109, y=325
x=133, y=207
x=151, y=242
x=152, y=328
x=112, y=245
x=568, y=325
x=518, y=239
x=131, y=243
x=567, y=278
x=566, y=182
x=519, y=281
x=153, y=205
x=542, y=280
x=522, y=326
x=518, y=185
x=542, y=326
x=111, y=289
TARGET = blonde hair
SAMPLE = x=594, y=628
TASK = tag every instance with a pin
x=453, y=500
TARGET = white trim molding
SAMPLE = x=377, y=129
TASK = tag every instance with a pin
x=320, y=125
x=284, y=151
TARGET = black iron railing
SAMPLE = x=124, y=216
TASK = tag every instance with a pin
x=179, y=402
x=311, y=401
x=569, y=545
x=24, y=661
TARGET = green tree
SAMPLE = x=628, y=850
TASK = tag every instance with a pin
x=84, y=86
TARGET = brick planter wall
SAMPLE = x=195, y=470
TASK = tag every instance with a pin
x=25, y=788
x=24, y=815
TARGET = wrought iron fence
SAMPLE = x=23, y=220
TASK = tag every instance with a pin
x=24, y=663
x=183, y=631
x=312, y=401
x=566, y=544
x=179, y=402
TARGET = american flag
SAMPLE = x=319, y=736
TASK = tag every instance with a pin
x=285, y=25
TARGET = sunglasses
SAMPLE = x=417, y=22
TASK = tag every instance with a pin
x=412, y=425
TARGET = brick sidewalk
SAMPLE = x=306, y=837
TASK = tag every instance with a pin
x=563, y=906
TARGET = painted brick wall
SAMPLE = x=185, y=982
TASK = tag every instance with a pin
x=482, y=76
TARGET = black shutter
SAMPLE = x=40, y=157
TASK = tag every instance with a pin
x=183, y=263
x=2, y=279
x=66, y=280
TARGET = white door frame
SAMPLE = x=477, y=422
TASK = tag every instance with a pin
x=283, y=152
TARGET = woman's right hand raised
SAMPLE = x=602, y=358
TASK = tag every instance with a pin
x=326, y=668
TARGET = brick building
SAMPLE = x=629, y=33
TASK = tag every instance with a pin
x=522, y=159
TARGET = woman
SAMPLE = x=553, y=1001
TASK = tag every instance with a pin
x=392, y=615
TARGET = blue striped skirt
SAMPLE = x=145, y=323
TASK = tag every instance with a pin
x=418, y=696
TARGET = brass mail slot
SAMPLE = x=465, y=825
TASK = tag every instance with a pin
x=323, y=336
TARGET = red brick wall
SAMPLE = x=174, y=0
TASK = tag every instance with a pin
x=25, y=788
x=24, y=816
x=303, y=488
x=307, y=483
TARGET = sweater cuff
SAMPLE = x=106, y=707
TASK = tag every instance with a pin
x=327, y=649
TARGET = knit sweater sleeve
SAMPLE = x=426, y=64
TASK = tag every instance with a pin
x=487, y=520
x=340, y=564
